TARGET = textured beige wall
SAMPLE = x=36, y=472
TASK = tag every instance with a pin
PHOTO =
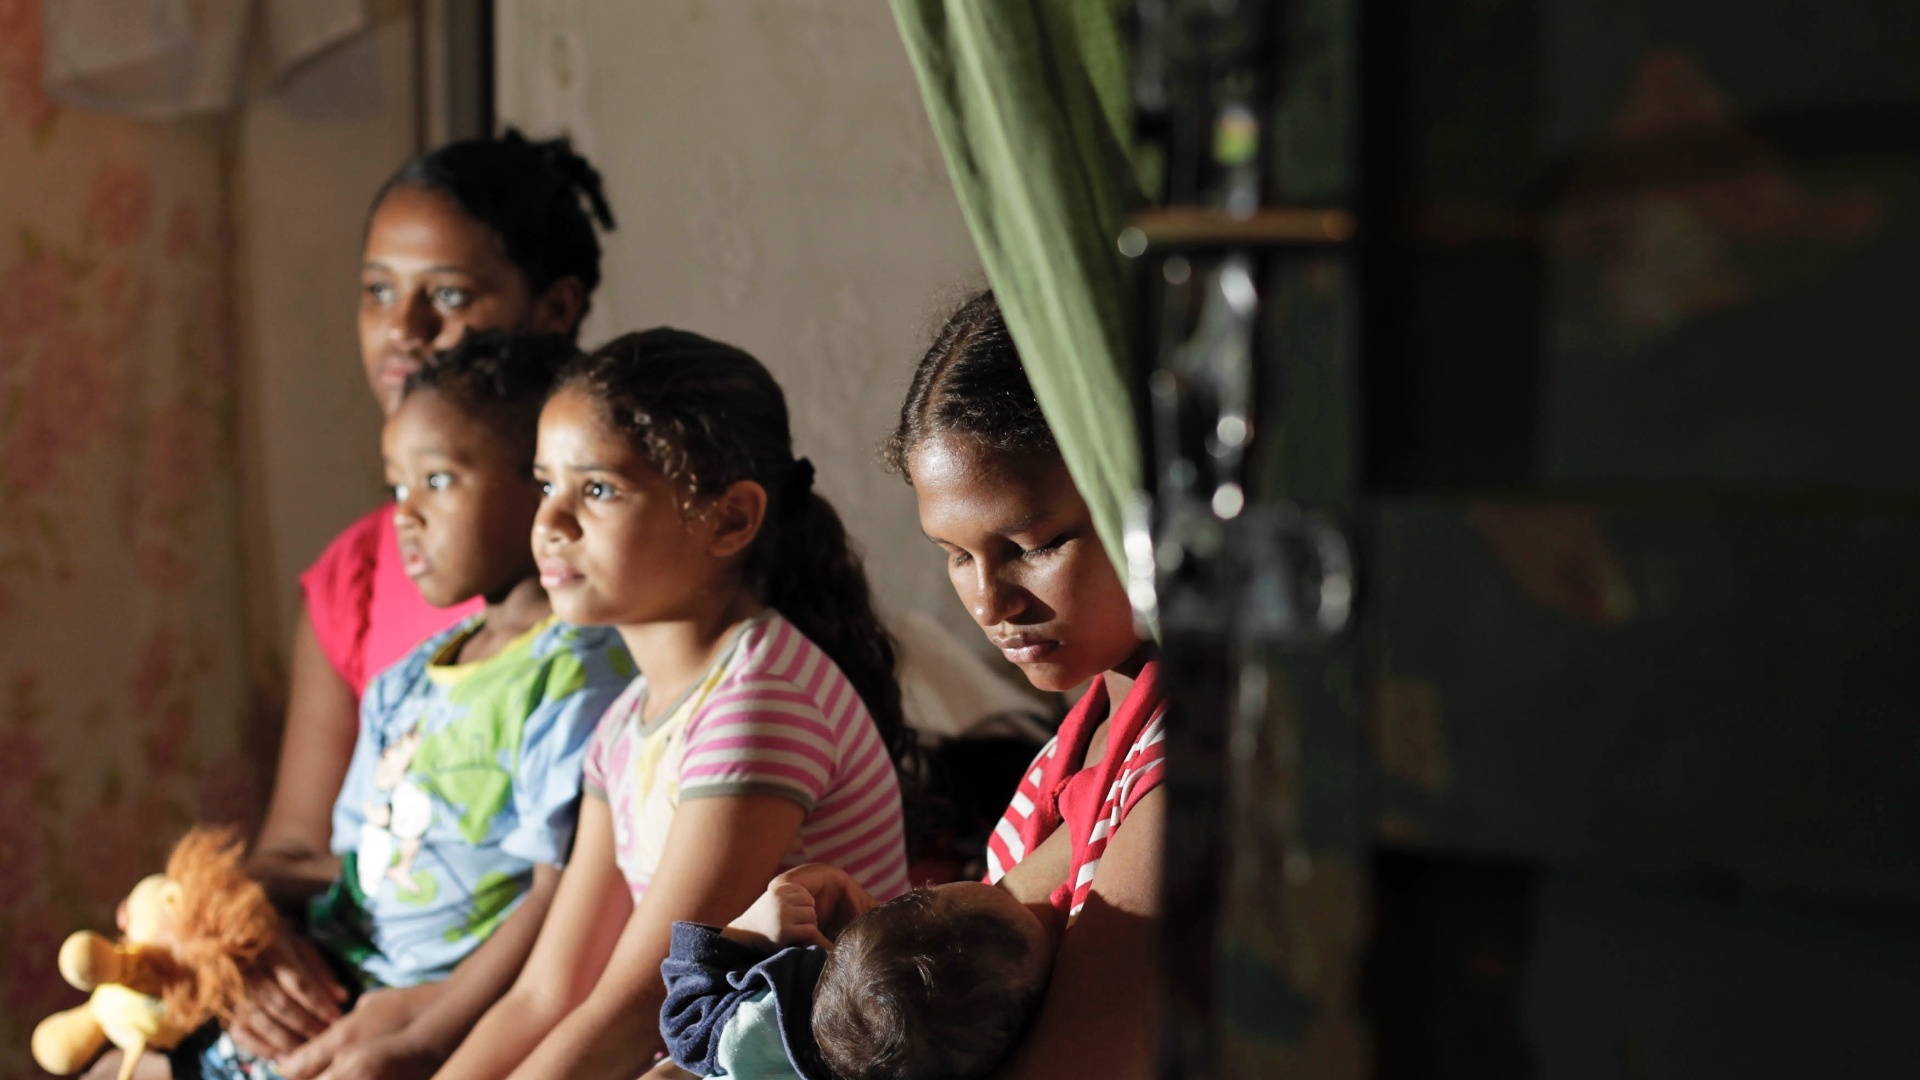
x=777, y=186
x=308, y=156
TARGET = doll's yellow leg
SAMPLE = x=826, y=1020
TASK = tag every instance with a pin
x=65, y=1042
x=132, y=1060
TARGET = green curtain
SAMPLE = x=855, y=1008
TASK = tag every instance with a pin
x=1030, y=102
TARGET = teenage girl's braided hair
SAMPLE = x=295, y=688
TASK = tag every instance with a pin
x=708, y=415
x=970, y=383
x=540, y=198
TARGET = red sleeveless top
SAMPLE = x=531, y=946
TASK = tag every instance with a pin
x=1060, y=789
x=364, y=609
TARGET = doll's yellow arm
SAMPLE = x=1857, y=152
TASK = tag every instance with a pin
x=87, y=960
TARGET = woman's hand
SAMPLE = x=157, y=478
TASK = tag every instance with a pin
x=378, y=1014
x=394, y=1057
x=294, y=999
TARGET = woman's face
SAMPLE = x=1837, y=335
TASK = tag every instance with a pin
x=428, y=274
x=1024, y=558
x=610, y=539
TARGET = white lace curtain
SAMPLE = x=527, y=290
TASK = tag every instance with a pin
x=171, y=58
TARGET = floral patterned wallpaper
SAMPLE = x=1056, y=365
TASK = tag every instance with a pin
x=124, y=702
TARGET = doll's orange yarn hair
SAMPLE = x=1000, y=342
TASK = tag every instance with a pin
x=223, y=924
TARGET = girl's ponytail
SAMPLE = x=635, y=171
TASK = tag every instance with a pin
x=813, y=577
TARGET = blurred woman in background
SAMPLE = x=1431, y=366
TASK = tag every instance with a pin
x=480, y=234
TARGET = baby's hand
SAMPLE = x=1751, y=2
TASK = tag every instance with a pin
x=784, y=915
x=808, y=905
x=836, y=896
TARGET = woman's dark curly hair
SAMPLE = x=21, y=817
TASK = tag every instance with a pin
x=970, y=383
x=535, y=196
x=499, y=375
x=708, y=415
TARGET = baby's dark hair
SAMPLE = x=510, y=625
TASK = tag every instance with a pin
x=912, y=990
x=535, y=196
x=708, y=415
x=970, y=383
x=501, y=376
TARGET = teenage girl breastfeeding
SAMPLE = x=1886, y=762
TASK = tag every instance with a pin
x=490, y=233
x=763, y=729
x=995, y=496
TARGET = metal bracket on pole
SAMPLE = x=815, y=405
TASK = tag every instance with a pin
x=1215, y=571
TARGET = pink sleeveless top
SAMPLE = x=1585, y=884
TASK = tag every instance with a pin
x=364, y=609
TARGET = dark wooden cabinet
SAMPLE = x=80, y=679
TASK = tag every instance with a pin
x=1618, y=773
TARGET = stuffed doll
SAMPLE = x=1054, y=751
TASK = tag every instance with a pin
x=188, y=939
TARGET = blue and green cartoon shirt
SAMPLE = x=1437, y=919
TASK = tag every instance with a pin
x=463, y=778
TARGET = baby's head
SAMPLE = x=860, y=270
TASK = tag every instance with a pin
x=939, y=983
x=459, y=454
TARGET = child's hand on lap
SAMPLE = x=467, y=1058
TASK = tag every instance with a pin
x=294, y=999
x=808, y=905
x=378, y=1015
x=394, y=1057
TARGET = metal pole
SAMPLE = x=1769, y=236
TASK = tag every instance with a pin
x=1215, y=572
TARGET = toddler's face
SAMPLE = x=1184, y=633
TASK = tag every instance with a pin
x=612, y=545
x=462, y=501
x=1024, y=558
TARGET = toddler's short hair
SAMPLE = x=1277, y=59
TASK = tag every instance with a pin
x=914, y=990
x=499, y=375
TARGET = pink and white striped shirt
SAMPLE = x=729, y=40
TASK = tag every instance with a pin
x=773, y=716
